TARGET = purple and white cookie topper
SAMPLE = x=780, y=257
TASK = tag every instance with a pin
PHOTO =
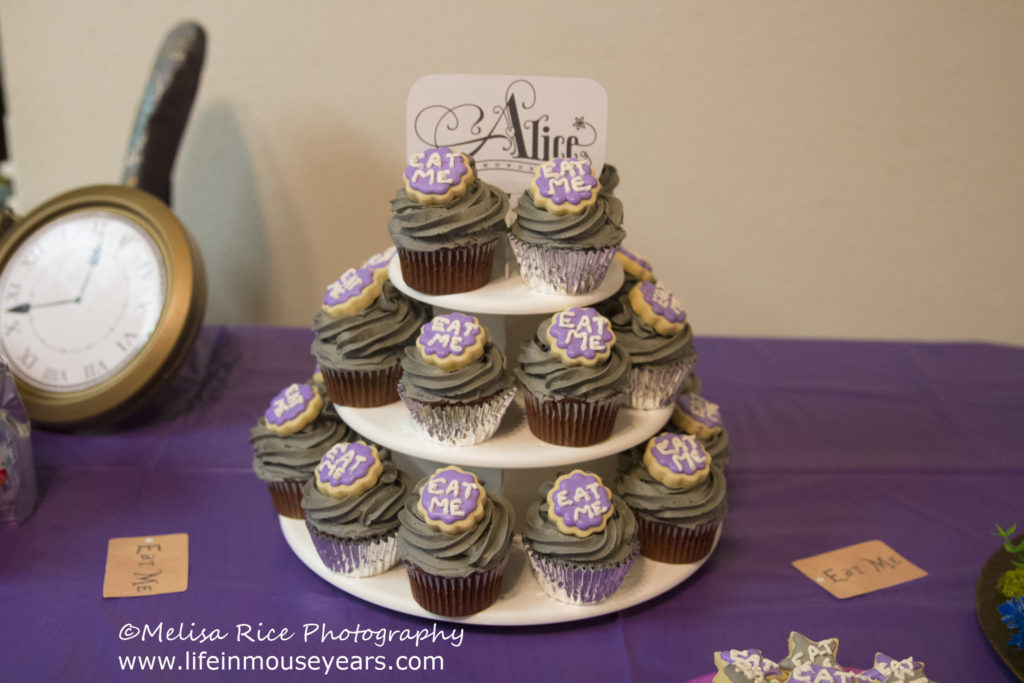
x=346, y=463
x=435, y=171
x=662, y=302
x=289, y=403
x=580, y=501
x=750, y=662
x=380, y=261
x=581, y=332
x=450, y=496
x=449, y=334
x=700, y=410
x=565, y=181
x=679, y=453
x=635, y=258
x=352, y=283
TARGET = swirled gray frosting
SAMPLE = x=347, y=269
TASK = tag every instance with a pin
x=295, y=456
x=458, y=554
x=611, y=546
x=546, y=376
x=644, y=344
x=372, y=339
x=372, y=513
x=598, y=227
x=651, y=499
x=482, y=378
x=609, y=179
x=476, y=217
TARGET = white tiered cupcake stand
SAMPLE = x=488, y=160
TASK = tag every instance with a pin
x=513, y=457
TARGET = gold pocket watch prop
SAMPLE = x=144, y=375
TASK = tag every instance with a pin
x=102, y=293
x=102, y=289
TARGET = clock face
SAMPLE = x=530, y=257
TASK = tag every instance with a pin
x=79, y=299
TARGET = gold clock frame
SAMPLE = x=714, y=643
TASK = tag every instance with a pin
x=112, y=400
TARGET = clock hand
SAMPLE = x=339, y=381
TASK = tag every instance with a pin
x=26, y=307
x=94, y=258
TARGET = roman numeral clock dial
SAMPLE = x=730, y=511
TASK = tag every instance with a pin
x=102, y=292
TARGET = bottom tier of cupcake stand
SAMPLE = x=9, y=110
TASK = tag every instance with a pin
x=521, y=603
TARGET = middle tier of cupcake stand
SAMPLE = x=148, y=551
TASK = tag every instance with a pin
x=512, y=461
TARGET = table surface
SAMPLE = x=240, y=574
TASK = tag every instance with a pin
x=834, y=443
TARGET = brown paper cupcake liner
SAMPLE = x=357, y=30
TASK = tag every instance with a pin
x=363, y=388
x=456, y=596
x=570, y=421
x=447, y=270
x=287, y=497
x=673, y=544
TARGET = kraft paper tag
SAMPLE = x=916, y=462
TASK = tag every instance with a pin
x=146, y=565
x=858, y=569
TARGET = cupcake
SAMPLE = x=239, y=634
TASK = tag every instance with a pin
x=651, y=325
x=454, y=381
x=454, y=541
x=678, y=497
x=575, y=377
x=359, y=340
x=351, y=504
x=445, y=223
x=694, y=414
x=581, y=539
x=288, y=441
x=565, y=233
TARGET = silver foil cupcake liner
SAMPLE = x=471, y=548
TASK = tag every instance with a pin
x=561, y=271
x=459, y=424
x=656, y=386
x=579, y=584
x=356, y=558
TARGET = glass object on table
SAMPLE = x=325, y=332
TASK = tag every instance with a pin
x=17, y=471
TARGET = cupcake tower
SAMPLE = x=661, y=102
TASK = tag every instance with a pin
x=376, y=345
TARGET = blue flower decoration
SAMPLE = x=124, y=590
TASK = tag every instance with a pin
x=1012, y=613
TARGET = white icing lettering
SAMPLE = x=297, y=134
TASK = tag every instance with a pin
x=417, y=160
x=578, y=184
x=581, y=494
x=434, y=160
x=562, y=498
x=468, y=488
x=435, y=486
x=445, y=176
x=292, y=397
x=452, y=489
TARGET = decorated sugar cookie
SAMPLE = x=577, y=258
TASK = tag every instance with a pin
x=696, y=415
x=292, y=409
x=451, y=500
x=634, y=265
x=886, y=668
x=678, y=461
x=580, y=336
x=579, y=504
x=348, y=469
x=437, y=176
x=562, y=186
x=745, y=666
x=451, y=341
x=658, y=308
x=803, y=650
x=352, y=292
x=378, y=263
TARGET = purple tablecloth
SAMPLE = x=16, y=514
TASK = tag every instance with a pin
x=835, y=443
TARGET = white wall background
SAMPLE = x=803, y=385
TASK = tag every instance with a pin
x=802, y=168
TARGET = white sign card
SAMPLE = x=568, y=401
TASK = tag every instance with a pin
x=509, y=124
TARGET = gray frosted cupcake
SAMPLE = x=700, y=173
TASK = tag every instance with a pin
x=446, y=223
x=454, y=541
x=678, y=497
x=575, y=377
x=360, y=340
x=566, y=232
x=581, y=539
x=454, y=381
x=289, y=440
x=351, y=507
x=650, y=323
